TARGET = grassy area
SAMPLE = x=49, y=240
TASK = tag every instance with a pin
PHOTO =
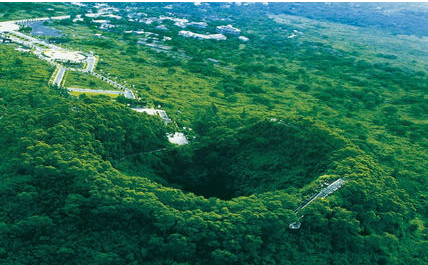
x=33, y=10
x=85, y=80
x=75, y=93
x=12, y=74
x=367, y=43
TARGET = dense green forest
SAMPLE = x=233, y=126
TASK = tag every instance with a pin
x=272, y=120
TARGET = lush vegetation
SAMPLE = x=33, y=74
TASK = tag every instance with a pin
x=76, y=79
x=31, y=10
x=272, y=120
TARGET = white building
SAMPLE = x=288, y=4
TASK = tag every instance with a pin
x=99, y=5
x=100, y=21
x=60, y=17
x=228, y=30
x=161, y=27
x=107, y=26
x=243, y=38
x=78, y=4
x=113, y=16
x=78, y=18
x=92, y=15
x=199, y=25
x=181, y=24
x=190, y=34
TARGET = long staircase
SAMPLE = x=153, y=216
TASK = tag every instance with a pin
x=337, y=184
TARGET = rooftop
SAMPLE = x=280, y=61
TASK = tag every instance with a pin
x=190, y=34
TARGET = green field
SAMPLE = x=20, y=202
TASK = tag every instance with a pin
x=76, y=93
x=84, y=80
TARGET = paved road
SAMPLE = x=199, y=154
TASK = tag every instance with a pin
x=112, y=92
x=128, y=92
x=59, y=76
x=34, y=40
x=20, y=41
x=29, y=41
x=91, y=63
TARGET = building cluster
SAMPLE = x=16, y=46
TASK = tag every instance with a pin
x=189, y=34
x=103, y=11
x=184, y=23
x=179, y=22
x=199, y=25
x=221, y=31
x=133, y=16
x=104, y=24
x=228, y=30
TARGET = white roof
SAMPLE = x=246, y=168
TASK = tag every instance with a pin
x=187, y=33
x=92, y=15
x=113, y=16
x=243, y=38
x=100, y=21
x=228, y=27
